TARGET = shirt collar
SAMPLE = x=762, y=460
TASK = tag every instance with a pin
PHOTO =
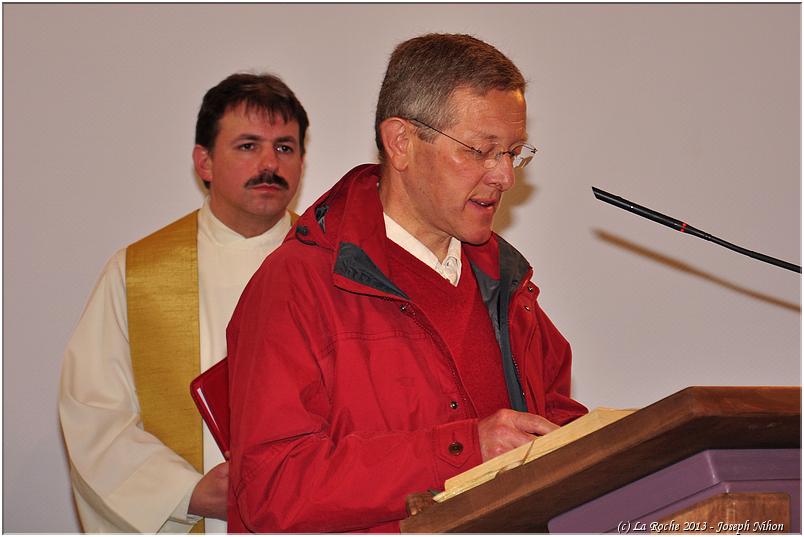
x=449, y=269
x=220, y=233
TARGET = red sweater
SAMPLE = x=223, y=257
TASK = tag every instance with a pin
x=462, y=320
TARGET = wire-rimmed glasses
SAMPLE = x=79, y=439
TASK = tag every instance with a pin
x=521, y=154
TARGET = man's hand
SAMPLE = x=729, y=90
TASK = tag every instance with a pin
x=419, y=501
x=209, y=495
x=507, y=429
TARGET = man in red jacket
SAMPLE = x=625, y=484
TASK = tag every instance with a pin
x=394, y=341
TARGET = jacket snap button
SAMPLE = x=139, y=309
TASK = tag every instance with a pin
x=456, y=448
x=530, y=288
x=527, y=308
x=453, y=405
x=403, y=307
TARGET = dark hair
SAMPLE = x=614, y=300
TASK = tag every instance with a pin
x=425, y=71
x=261, y=92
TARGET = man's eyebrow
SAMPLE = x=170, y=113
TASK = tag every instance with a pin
x=286, y=139
x=494, y=138
x=247, y=137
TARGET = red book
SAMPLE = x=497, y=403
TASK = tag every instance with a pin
x=210, y=392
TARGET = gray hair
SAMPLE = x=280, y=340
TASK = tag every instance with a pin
x=425, y=71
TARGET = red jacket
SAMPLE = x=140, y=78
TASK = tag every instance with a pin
x=342, y=393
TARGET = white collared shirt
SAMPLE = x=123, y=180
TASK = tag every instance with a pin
x=449, y=269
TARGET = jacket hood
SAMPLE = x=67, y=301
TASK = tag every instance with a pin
x=355, y=194
x=347, y=220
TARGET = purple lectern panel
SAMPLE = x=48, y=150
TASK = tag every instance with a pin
x=635, y=506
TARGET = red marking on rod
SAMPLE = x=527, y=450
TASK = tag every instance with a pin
x=683, y=227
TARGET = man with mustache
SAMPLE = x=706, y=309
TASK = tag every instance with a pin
x=395, y=341
x=266, y=177
x=139, y=458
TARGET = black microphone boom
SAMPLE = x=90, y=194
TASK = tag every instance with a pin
x=678, y=225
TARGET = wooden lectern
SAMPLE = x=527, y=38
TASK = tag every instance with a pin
x=658, y=447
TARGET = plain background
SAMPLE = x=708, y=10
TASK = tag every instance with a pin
x=691, y=109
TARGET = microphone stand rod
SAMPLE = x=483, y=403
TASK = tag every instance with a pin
x=682, y=227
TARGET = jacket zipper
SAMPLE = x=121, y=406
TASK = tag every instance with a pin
x=518, y=375
x=407, y=309
x=525, y=282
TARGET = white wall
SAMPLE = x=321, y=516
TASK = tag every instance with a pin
x=693, y=110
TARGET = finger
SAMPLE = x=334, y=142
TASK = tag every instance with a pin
x=534, y=424
x=522, y=438
x=418, y=502
x=503, y=443
x=513, y=438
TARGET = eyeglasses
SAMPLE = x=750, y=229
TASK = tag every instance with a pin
x=520, y=154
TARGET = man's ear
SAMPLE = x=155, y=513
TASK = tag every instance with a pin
x=396, y=136
x=203, y=162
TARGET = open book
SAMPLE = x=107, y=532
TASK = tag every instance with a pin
x=596, y=419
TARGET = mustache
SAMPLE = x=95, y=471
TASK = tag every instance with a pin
x=268, y=178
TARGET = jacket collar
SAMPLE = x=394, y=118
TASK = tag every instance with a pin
x=348, y=220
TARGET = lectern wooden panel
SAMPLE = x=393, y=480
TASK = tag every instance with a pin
x=723, y=514
x=524, y=499
x=686, y=484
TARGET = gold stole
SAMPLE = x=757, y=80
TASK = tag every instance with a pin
x=163, y=333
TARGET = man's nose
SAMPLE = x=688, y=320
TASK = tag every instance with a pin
x=502, y=176
x=269, y=160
